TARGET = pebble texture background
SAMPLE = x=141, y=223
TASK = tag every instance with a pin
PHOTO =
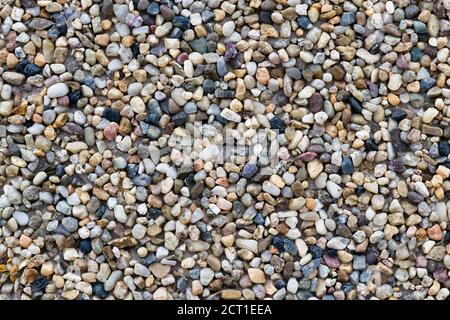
x=98, y=201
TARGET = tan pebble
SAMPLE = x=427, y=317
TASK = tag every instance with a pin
x=310, y=203
x=269, y=31
x=228, y=240
x=230, y=294
x=196, y=287
x=24, y=241
x=30, y=275
x=421, y=234
x=47, y=269
x=263, y=76
x=413, y=87
x=102, y=39
x=429, y=115
x=393, y=99
x=3, y=56
x=371, y=187
x=11, y=60
x=314, y=168
x=402, y=188
x=161, y=294
x=39, y=60
x=70, y=294
x=256, y=275
x=60, y=120
x=435, y=232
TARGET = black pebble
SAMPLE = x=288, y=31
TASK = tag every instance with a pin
x=154, y=213
x=39, y=285
x=372, y=257
x=101, y=210
x=20, y=67
x=315, y=251
x=278, y=242
x=99, y=290
x=206, y=236
x=277, y=124
x=135, y=49
x=347, y=166
x=182, y=284
x=59, y=170
x=265, y=17
x=359, y=190
x=31, y=70
x=73, y=98
x=355, y=105
x=85, y=246
x=132, y=170
x=444, y=148
x=180, y=118
x=112, y=115
x=370, y=145
x=398, y=114
x=279, y=283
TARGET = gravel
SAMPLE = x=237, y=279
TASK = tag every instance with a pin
x=224, y=150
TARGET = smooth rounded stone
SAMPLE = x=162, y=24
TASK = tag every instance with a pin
x=113, y=278
x=134, y=88
x=141, y=270
x=121, y=12
x=196, y=245
x=76, y=147
x=314, y=167
x=13, y=77
x=70, y=224
x=334, y=190
x=31, y=70
x=338, y=243
x=348, y=18
x=347, y=166
x=384, y=292
x=411, y=11
x=248, y=244
x=13, y=195
x=315, y=102
x=70, y=254
x=271, y=188
x=206, y=276
x=21, y=218
x=395, y=82
x=57, y=90
x=256, y=275
x=119, y=214
x=228, y=28
x=139, y=231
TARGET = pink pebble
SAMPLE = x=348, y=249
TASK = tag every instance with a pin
x=307, y=156
x=182, y=57
x=63, y=101
x=52, y=80
x=110, y=132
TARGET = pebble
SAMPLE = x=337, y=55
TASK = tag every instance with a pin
x=57, y=90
